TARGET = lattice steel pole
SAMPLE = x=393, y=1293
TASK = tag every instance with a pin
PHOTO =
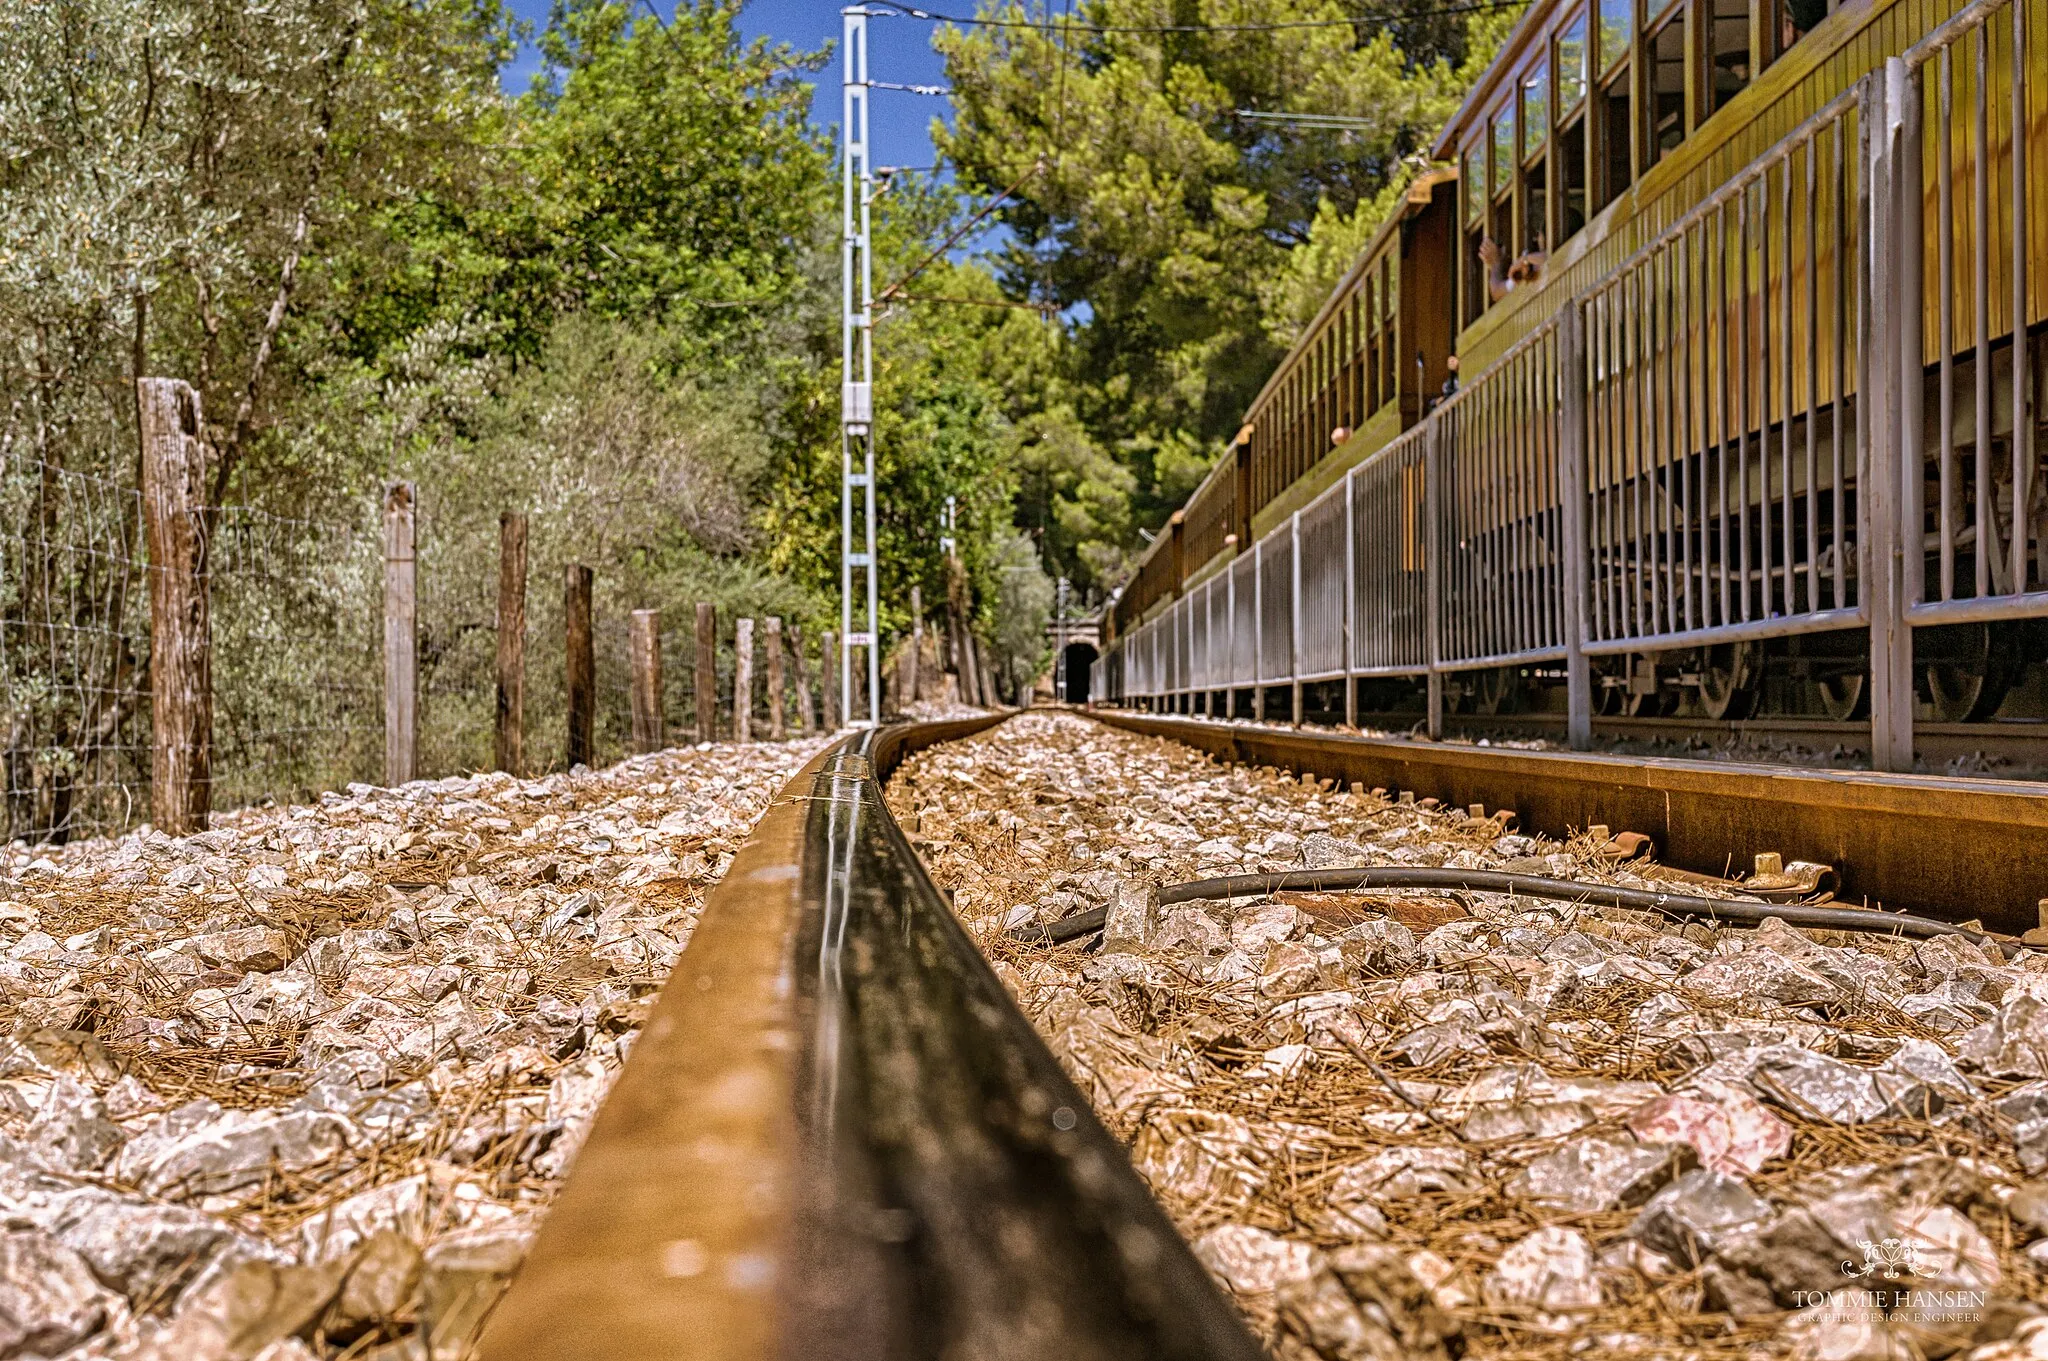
x=857, y=366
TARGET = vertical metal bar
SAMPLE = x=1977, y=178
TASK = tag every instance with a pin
x=1611, y=562
x=1663, y=403
x=1848, y=250
x=2022, y=372
x=1908, y=268
x=1980, y=260
x=1744, y=349
x=1891, y=644
x=1351, y=597
x=1433, y=560
x=1786, y=529
x=1553, y=572
x=1688, y=444
x=1663, y=375
x=1259, y=630
x=1630, y=363
x=1516, y=509
x=1945, y=323
x=1811, y=150
x=1571, y=478
x=1294, y=613
x=1229, y=668
x=1722, y=384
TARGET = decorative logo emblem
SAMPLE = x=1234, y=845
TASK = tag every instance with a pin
x=1889, y=1256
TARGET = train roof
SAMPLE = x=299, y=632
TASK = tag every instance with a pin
x=1528, y=29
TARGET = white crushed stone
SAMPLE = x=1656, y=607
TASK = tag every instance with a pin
x=303, y=1083
x=1434, y=1125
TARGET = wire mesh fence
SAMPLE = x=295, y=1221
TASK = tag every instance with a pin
x=296, y=603
x=74, y=647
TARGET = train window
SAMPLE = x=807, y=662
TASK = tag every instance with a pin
x=1570, y=59
x=1666, y=51
x=1475, y=276
x=1801, y=17
x=1535, y=110
x=1472, y=176
x=1388, y=305
x=1504, y=149
x=1617, y=26
x=1613, y=109
x=1535, y=206
x=1571, y=177
x=1728, y=57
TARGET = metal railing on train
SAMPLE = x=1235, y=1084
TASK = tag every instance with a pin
x=1682, y=456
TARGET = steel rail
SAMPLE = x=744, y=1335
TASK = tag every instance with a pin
x=1956, y=849
x=838, y=1138
x=2024, y=742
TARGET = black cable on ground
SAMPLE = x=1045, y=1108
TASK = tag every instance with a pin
x=1682, y=906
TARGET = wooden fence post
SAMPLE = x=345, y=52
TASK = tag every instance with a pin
x=180, y=626
x=582, y=665
x=828, y=681
x=773, y=647
x=644, y=641
x=401, y=636
x=511, y=726
x=706, y=687
x=804, y=712
x=743, y=681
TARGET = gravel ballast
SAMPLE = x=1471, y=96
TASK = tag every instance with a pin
x=1461, y=1124
x=301, y=1085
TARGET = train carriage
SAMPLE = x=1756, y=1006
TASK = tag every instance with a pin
x=1752, y=293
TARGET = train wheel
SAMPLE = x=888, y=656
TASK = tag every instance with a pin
x=1731, y=676
x=1969, y=680
x=1497, y=690
x=1845, y=695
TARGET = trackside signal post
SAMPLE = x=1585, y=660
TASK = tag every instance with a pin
x=857, y=367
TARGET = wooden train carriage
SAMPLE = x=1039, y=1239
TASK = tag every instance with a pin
x=1603, y=122
x=1366, y=369
x=1699, y=180
x=1367, y=366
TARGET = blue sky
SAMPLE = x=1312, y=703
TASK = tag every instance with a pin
x=899, y=51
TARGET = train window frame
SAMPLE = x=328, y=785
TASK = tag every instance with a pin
x=1675, y=20
x=1579, y=22
x=1533, y=125
x=1606, y=62
x=1711, y=26
x=1502, y=179
x=1472, y=274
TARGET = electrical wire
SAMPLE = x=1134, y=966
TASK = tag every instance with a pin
x=886, y=9
x=1682, y=906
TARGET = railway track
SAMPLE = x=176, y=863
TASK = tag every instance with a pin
x=838, y=1135
x=2005, y=749
x=838, y=1138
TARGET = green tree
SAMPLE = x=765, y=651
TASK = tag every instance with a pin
x=1145, y=192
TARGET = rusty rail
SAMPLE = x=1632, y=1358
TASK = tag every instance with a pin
x=837, y=1137
x=1952, y=848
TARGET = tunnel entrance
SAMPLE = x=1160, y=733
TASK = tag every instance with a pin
x=1075, y=660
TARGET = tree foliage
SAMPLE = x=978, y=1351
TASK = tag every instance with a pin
x=1185, y=235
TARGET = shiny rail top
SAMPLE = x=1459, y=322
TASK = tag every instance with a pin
x=839, y=1138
